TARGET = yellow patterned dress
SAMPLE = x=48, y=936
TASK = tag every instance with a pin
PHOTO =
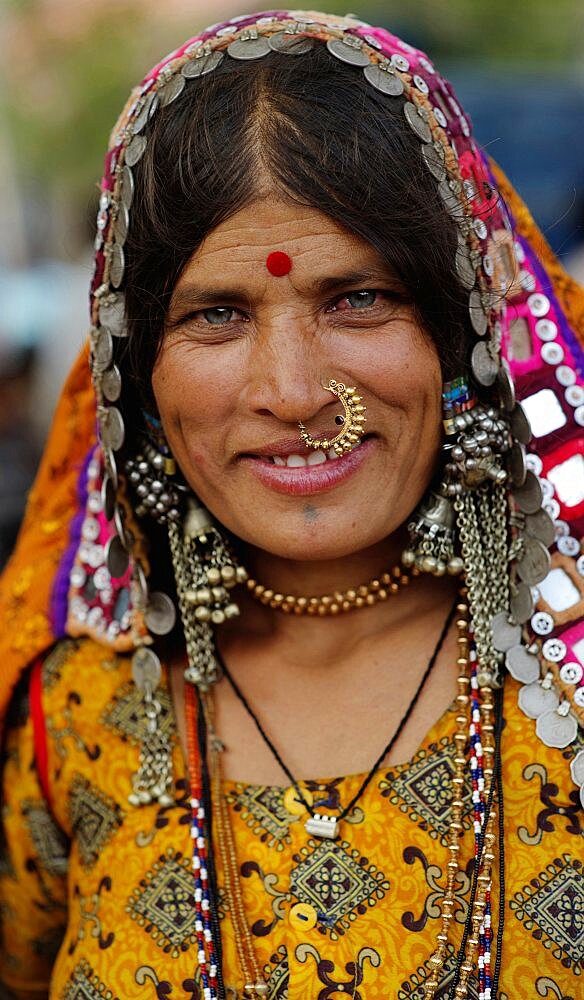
x=96, y=898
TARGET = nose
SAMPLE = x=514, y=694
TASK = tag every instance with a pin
x=288, y=372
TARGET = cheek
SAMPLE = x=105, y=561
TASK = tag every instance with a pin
x=189, y=391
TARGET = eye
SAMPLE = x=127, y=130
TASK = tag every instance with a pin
x=218, y=315
x=361, y=299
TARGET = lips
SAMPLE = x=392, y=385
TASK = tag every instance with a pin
x=297, y=474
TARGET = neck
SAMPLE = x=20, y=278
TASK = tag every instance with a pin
x=330, y=637
x=313, y=578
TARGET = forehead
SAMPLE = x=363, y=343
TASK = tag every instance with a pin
x=269, y=224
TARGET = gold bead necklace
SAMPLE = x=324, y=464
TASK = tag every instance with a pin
x=340, y=601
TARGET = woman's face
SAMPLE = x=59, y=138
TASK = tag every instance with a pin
x=244, y=358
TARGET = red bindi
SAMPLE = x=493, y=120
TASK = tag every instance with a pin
x=278, y=263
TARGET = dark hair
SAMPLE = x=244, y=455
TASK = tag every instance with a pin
x=326, y=138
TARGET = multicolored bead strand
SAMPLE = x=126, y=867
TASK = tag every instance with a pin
x=255, y=987
x=206, y=948
x=481, y=752
x=455, y=827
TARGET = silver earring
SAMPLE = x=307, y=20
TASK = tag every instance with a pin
x=205, y=570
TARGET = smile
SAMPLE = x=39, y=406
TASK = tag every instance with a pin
x=317, y=472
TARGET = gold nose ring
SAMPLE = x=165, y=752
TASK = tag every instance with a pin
x=352, y=421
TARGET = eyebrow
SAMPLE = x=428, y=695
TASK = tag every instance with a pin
x=192, y=295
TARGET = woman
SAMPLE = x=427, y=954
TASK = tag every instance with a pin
x=309, y=288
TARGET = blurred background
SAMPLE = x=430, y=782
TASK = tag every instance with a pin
x=66, y=67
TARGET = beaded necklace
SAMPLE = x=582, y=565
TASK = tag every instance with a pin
x=477, y=744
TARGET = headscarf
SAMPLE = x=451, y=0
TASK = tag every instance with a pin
x=79, y=520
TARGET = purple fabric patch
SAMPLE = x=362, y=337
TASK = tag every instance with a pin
x=60, y=592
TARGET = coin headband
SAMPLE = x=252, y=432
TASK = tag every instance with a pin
x=511, y=301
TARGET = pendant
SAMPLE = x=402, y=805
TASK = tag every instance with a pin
x=325, y=827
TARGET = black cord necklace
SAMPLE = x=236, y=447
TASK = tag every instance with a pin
x=319, y=824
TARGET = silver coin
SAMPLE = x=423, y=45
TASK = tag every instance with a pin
x=389, y=83
x=122, y=223
x=108, y=497
x=554, y=650
x=516, y=464
x=249, y=48
x=146, y=669
x=116, y=557
x=462, y=261
x=291, y=44
x=111, y=384
x=506, y=386
x=478, y=316
x=521, y=604
x=117, y=265
x=540, y=525
x=112, y=428
x=579, y=697
x=145, y=112
x=484, y=366
x=202, y=65
x=520, y=427
x=112, y=315
x=534, y=564
x=571, y=673
x=127, y=187
x=109, y=461
x=577, y=768
x=135, y=150
x=556, y=730
x=450, y=199
x=480, y=229
x=523, y=666
x=160, y=614
x=534, y=700
x=529, y=496
x=348, y=53
x=102, y=348
x=171, y=90
x=416, y=122
x=505, y=633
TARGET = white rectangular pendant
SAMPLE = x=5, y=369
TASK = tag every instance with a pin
x=322, y=826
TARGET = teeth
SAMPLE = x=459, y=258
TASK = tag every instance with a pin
x=331, y=453
x=277, y=460
x=295, y=461
x=316, y=458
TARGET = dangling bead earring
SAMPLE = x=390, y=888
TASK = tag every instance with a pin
x=205, y=572
x=431, y=548
x=150, y=474
x=477, y=436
